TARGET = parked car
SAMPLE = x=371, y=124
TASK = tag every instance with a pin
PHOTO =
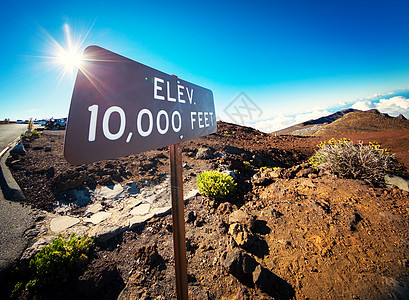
x=56, y=124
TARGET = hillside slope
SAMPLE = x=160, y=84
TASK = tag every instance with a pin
x=362, y=121
x=308, y=128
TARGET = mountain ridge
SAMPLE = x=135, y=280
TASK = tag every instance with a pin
x=373, y=120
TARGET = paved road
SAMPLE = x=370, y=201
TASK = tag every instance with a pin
x=9, y=132
x=14, y=218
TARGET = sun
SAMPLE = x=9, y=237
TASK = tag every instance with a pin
x=69, y=58
x=66, y=56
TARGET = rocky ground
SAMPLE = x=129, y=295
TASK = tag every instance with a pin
x=286, y=233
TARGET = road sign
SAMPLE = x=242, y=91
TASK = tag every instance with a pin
x=121, y=107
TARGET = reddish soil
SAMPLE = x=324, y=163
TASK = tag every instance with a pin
x=314, y=236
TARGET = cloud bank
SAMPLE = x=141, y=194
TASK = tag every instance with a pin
x=391, y=103
x=393, y=106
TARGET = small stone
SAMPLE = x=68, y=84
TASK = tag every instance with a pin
x=18, y=150
x=392, y=180
x=98, y=217
x=191, y=217
x=141, y=209
x=137, y=220
x=204, y=153
x=107, y=180
x=109, y=166
x=160, y=211
x=239, y=264
x=305, y=172
x=241, y=235
x=50, y=172
x=61, y=223
x=242, y=217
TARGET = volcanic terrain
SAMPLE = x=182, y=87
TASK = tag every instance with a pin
x=287, y=232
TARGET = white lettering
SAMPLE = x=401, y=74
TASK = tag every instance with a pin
x=168, y=93
x=192, y=118
x=139, y=122
x=206, y=119
x=211, y=117
x=180, y=93
x=92, y=122
x=162, y=113
x=157, y=88
x=105, y=123
x=190, y=96
x=176, y=113
x=200, y=117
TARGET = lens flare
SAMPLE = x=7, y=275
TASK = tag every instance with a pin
x=71, y=57
x=65, y=56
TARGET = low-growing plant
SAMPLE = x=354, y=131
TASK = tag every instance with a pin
x=214, y=184
x=348, y=160
x=30, y=125
x=263, y=168
x=31, y=134
x=247, y=165
x=58, y=260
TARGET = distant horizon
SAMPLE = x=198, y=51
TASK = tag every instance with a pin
x=269, y=64
x=361, y=104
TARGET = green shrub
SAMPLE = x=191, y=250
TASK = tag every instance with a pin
x=57, y=260
x=215, y=185
x=367, y=162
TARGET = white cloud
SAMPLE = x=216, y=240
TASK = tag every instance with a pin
x=363, y=105
x=394, y=106
x=275, y=123
x=282, y=121
x=310, y=116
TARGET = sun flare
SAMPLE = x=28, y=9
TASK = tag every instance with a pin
x=69, y=58
x=65, y=56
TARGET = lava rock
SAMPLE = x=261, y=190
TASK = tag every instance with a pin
x=106, y=180
x=50, y=172
x=305, y=172
x=242, y=217
x=239, y=264
x=100, y=281
x=69, y=180
x=18, y=150
x=204, y=153
x=191, y=217
x=242, y=236
x=271, y=284
x=148, y=255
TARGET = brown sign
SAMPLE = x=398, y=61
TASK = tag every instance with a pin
x=120, y=107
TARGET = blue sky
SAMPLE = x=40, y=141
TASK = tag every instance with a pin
x=294, y=59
